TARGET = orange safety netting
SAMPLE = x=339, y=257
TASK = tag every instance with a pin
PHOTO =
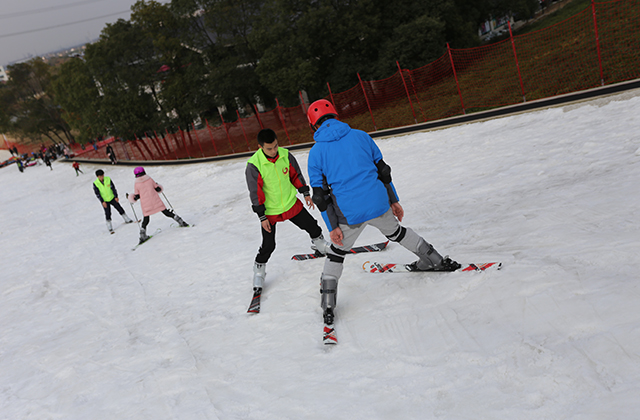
x=598, y=46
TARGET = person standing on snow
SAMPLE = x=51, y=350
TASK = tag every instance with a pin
x=112, y=155
x=76, y=166
x=146, y=190
x=105, y=190
x=273, y=179
x=352, y=188
x=47, y=160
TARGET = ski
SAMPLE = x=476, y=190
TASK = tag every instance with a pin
x=329, y=332
x=146, y=240
x=254, y=307
x=355, y=250
x=378, y=267
x=175, y=225
x=329, y=335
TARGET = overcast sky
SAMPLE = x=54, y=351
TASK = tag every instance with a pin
x=36, y=27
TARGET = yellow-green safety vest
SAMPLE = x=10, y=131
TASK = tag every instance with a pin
x=279, y=192
x=105, y=189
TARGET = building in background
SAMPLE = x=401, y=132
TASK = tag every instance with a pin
x=3, y=75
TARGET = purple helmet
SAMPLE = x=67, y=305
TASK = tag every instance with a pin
x=139, y=171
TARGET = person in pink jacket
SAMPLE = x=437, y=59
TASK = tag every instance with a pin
x=146, y=190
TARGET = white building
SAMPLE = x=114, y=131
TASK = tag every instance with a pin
x=3, y=75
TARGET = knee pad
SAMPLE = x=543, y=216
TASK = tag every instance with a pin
x=398, y=235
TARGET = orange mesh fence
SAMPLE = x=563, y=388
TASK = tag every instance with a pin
x=433, y=90
x=618, y=24
x=487, y=76
x=598, y=46
x=575, y=68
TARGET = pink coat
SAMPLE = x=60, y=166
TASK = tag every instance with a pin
x=150, y=201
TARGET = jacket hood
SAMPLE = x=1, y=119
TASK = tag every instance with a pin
x=142, y=178
x=331, y=130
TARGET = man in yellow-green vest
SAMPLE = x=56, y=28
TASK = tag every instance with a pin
x=105, y=190
x=274, y=178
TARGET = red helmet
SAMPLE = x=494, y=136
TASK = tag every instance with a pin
x=319, y=109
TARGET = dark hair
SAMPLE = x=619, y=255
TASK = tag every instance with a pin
x=266, y=135
x=99, y=172
x=325, y=118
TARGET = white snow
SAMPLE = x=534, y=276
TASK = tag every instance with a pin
x=90, y=329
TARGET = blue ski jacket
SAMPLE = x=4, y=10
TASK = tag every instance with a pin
x=343, y=163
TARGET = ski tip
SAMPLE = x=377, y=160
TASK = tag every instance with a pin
x=329, y=335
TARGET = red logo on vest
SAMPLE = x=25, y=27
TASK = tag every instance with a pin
x=285, y=170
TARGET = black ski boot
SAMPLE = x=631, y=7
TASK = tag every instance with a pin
x=328, y=316
x=447, y=264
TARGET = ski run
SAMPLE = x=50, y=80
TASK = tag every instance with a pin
x=91, y=330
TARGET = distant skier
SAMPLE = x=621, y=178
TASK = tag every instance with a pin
x=76, y=166
x=112, y=155
x=273, y=178
x=47, y=160
x=146, y=190
x=105, y=190
x=352, y=188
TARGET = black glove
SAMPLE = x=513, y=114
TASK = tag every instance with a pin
x=136, y=197
x=158, y=189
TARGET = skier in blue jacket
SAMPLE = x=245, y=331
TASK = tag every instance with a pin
x=352, y=188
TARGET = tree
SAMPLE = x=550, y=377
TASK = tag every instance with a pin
x=123, y=63
x=78, y=95
x=28, y=105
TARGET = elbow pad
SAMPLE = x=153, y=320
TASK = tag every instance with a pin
x=304, y=190
x=319, y=198
x=384, y=172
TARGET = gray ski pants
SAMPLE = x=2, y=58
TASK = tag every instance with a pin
x=389, y=226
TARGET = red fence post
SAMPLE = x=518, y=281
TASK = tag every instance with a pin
x=195, y=133
x=258, y=116
x=331, y=96
x=226, y=130
x=595, y=25
x=407, y=90
x=212, y=140
x=146, y=147
x=124, y=147
x=456, y=77
x=135, y=143
x=303, y=104
x=513, y=44
x=157, y=145
x=243, y=132
x=367, y=100
x=184, y=142
x=175, y=151
x=282, y=121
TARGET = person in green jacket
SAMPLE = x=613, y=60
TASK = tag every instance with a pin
x=274, y=178
x=105, y=190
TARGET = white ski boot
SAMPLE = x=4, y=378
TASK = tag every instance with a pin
x=126, y=218
x=259, y=273
x=109, y=226
x=320, y=245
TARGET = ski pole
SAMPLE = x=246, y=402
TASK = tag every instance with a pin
x=134, y=213
x=165, y=197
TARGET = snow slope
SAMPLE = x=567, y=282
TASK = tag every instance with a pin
x=93, y=330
